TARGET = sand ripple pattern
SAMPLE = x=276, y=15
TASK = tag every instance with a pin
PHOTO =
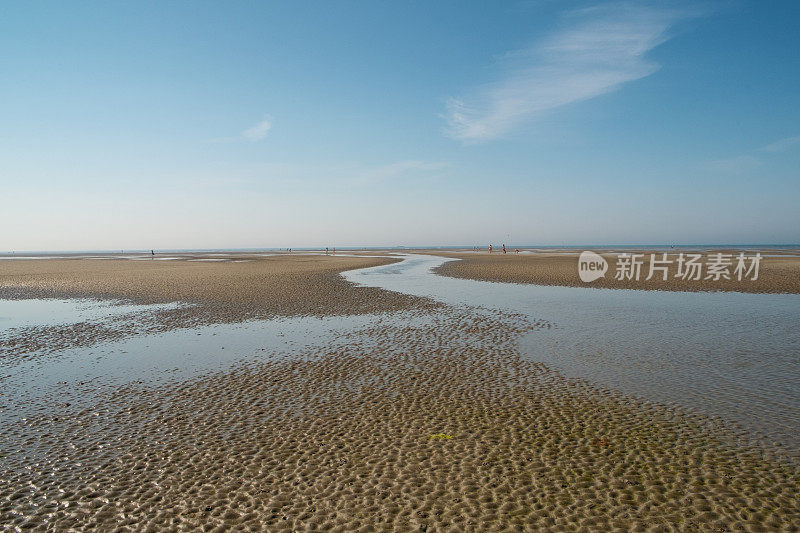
x=210, y=293
x=431, y=422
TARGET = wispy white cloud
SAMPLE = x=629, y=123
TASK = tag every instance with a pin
x=745, y=163
x=259, y=131
x=326, y=175
x=741, y=164
x=399, y=169
x=252, y=134
x=782, y=145
x=598, y=50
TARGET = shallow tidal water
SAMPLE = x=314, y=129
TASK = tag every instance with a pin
x=73, y=375
x=16, y=314
x=730, y=355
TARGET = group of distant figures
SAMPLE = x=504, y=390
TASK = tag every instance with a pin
x=329, y=251
x=491, y=249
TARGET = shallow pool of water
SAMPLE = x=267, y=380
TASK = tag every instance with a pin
x=54, y=312
x=73, y=375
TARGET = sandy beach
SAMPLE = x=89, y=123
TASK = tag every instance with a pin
x=426, y=419
x=231, y=287
x=778, y=274
x=316, y=266
x=242, y=287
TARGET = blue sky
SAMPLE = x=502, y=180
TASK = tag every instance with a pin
x=260, y=124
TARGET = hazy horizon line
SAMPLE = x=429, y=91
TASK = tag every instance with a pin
x=398, y=247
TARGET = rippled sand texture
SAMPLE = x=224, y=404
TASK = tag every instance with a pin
x=777, y=274
x=218, y=292
x=260, y=287
x=428, y=421
x=20, y=344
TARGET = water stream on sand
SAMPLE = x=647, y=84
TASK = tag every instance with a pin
x=726, y=354
x=73, y=376
x=732, y=355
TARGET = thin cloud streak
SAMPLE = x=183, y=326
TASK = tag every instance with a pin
x=782, y=145
x=252, y=134
x=259, y=131
x=322, y=175
x=745, y=163
x=598, y=50
x=741, y=164
x=399, y=169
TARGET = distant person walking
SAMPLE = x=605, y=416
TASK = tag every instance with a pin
x=490, y=248
x=504, y=248
x=152, y=253
x=326, y=250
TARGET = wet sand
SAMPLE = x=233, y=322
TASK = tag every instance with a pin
x=259, y=287
x=427, y=419
x=777, y=274
x=437, y=426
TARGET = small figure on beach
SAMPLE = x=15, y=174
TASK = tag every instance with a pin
x=516, y=250
x=326, y=250
x=152, y=253
x=490, y=248
x=504, y=247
